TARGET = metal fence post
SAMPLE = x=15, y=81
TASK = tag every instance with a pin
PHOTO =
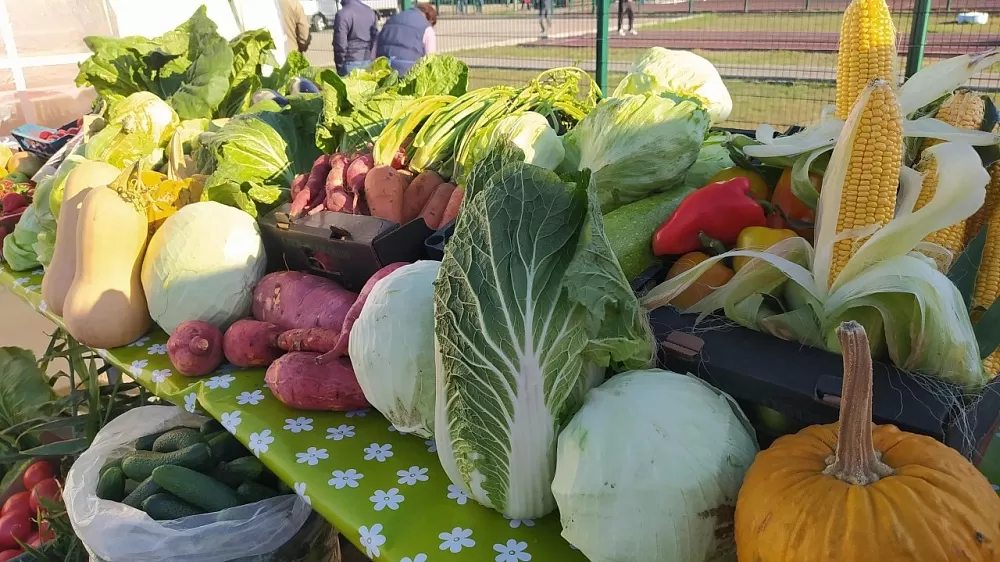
x=602, y=45
x=746, y=6
x=807, y=5
x=406, y=5
x=918, y=37
x=690, y=6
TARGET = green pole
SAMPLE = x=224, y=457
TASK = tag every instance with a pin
x=947, y=6
x=807, y=5
x=437, y=6
x=602, y=45
x=690, y=6
x=746, y=6
x=406, y=4
x=918, y=37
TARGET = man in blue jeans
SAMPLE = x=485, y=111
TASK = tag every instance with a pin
x=545, y=16
x=355, y=29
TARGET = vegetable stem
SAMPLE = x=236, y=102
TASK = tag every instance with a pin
x=856, y=460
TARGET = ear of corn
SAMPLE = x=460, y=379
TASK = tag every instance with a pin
x=951, y=238
x=976, y=222
x=988, y=280
x=965, y=109
x=867, y=51
x=869, y=192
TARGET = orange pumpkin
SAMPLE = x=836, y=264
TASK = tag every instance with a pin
x=851, y=491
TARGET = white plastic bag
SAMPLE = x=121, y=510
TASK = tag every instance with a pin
x=115, y=532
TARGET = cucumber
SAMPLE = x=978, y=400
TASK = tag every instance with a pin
x=145, y=489
x=196, y=488
x=226, y=447
x=164, y=506
x=130, y=485
x=115, y=463
x=284, y=489
x=177, y=439
x=210, y=427
x=238, y=471
x=251, y=492
x=139, y=465
x=145, y=443
x=630, y=229
x=111, y=485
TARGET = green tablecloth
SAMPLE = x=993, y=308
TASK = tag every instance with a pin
x=384, y=491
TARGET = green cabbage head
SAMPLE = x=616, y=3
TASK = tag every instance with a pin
x=138, y=127
x=661, y=70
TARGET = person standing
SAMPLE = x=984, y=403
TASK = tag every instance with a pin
x=460, y=6
x=295, y=25
x=355, y=28
x=407, y=36
x=479, y=6
x=626, y=7
x=545, y=16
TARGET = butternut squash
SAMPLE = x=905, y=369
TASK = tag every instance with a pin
x=105, y=306
x=59, y=275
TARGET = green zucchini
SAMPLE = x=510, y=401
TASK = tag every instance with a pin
x=630, y=229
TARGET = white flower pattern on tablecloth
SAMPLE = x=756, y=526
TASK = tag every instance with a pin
x=383, y=499
x=21, y=281
x=43, y=306
x=157, y=349
x=252, y=398
x=38, y=271
x=230, y=420
x=33, y=288
x=358, y=413
x=341, y=432
x=431, y=446
x=372, y=539
x=160, y=375
x=378, y=452
x=412, y=475
x=345, y=478
x=190, y=401
x=515, y=523
x=220, y=381
x=418, y=558
x=312, y=456
x=513, y=551
x=260, y=441
x=139, y=342
x=135, y=369
x=300, y=489
x=457, y=494
x=298, y=424
x=456, y=540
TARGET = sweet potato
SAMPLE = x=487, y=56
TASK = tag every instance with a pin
x=433, y=211
x=337, y=199
x=454, y=204
x=299, y=203
x=335, y=181
x=354, y=177
x=418, y=193
x=320, y=340
x=355, y=311
x=298, y=380
x=298, y=183
x=384, y=192
x=252, y=343
x=195, y=348
x=313, y=188
x=292, y=299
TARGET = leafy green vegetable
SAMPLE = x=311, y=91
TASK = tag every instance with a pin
x=250, y=50
x=712, y=158
x=19, y=246
x=684, y=73
x=23, y=388
x=531, y=308
x=528, y=131
x=436, y=75
x=296, y=65
x=137, y=127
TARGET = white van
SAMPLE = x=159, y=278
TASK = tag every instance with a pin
x=321, y=12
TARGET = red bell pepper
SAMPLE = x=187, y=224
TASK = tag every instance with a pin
x=719, y=211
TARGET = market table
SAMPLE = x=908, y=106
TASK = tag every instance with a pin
x=386, y=492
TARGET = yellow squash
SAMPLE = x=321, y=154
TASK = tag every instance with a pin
x=758, y=238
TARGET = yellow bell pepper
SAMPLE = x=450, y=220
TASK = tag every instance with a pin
x=758, y=238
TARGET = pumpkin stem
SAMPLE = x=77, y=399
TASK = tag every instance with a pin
x=856, y=461
x=129, y=187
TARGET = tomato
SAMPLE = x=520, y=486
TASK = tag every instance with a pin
x=20, y=501
x=33, y=540
x=795, y=210
x=10, y=554
x=14, y=526
x=35, y=473
x=758, y=186
x=45, y=534
x=47, y=488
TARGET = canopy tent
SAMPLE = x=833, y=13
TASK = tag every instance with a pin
x=42, y=44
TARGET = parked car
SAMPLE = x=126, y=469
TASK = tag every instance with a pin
x=321, y=12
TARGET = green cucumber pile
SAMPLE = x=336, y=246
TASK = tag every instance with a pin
x=185, y=471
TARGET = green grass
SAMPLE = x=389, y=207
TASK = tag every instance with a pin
x=791, y=22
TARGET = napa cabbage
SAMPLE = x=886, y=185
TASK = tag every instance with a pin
x=531, y=308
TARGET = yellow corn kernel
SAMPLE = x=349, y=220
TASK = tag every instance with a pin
x=869, y=192
x=867, y=51
x=992, y=364
x=976, y=222
x=988, y=276
x=952, y=238
x=965, y=109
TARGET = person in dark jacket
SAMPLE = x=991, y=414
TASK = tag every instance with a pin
x=354, y=31
x=407, y=36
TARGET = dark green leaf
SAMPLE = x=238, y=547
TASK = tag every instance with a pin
x=23, y=388
x=296, y=65
x=58, y=449
x=987, y=330
x=436, y=75
x=963, y=271
x=75, y=422
x=248, y=49
x=14, y=473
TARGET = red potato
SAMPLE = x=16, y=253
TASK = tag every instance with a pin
x=352, y=315
x=433, y=211
x=319, y=340
x=251, y=343
x=454, y=205
x=354, y=177
x=298, y=380
x=384, y=193
x=195, y=348
x=292, y=299
x=418, y=193
x=335, y=182
x=298, y=183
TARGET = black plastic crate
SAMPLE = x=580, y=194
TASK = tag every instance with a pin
x=346, y=248
x=30, y=138
x=804, y=384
